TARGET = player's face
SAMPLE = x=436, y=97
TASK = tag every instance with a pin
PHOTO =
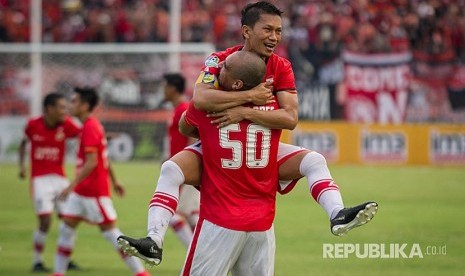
x=168, y=90
x=57, y=113
x=264, y=36
x=76, y=105
x=61, y=109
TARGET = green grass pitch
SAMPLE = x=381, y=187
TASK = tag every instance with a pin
x=418, y=205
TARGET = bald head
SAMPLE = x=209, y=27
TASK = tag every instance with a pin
x=242, y=70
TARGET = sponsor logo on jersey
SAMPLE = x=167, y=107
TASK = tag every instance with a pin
x=447, y=147
x=208, y=78
x=37, y=138
x=324, y=142
x=378, y=146
x=60, y=135
x=212, y=61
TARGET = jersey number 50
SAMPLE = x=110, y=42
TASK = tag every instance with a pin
x=252, y=146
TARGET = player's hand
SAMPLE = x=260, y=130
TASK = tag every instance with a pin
x=22, y=172
x=228, y=116
x=262, y=94
x=65, y=193
x=119, y=189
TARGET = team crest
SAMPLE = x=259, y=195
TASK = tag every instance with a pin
x=60, y=136
x=208, y=78
x=212, y=61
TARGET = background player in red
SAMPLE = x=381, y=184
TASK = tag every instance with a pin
x=88, y=195
x=184, y=220
x=47, y=134
x=261, y=30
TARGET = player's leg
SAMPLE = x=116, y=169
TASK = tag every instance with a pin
x=42, y=194
x=213, y=250
x=184, y=167
x=72, y=214
x=257, y=256
x=296, y=162
x=189, y=204
x=110, y=232
x=102, y=212
x=60, y=183
x=181, y=229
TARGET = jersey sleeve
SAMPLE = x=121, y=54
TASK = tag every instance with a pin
x=285, y=79
x=71, y=128
x=90, y=138
x=191, y=117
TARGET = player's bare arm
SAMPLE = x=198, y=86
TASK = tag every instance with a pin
x=89, y=165
x=22, y=154
x=284, y=118
x=117, y=187
x=208, y=98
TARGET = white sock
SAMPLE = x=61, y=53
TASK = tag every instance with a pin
x=39, y=244
x=164, y=201
x=132, y=262
x=66, y=241
x=321, y=183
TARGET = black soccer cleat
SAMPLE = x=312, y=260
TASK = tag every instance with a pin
x=40, y=268
x=73, y=266
x=144, y=248
x=349, y=218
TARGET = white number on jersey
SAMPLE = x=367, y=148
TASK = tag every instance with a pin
x=251, y=147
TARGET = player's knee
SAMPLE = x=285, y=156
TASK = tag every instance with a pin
x=170, y=169
x=311, y=161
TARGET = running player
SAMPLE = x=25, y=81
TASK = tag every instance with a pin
x=88, y=195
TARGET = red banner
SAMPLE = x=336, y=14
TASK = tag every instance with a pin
x=377, y=87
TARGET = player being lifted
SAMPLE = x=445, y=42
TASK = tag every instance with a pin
x=261, y=30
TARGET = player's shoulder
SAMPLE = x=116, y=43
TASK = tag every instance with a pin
x=35, y=122
x=214, y=58
x=279, y=61
x=91, y=122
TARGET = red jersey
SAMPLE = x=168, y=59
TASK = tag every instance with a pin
x=48, y=145
x=177, y=141
x=278, y=69
x=93, y=140
x=240, y=172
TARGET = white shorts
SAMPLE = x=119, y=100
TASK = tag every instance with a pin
x=216, y=251
x=189, y=201
x=95, y=210
x=285, y=151
x=45, y=190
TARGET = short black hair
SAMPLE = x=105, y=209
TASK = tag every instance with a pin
x=177, y=80
x=251, y=12
x=51, y=99
x=88, y=95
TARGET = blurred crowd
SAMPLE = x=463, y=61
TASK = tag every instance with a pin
x=432, y=27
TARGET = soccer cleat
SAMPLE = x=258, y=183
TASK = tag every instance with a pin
x=39, y=267
x=145, y=249
x=73, y=266
x=349, y=218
